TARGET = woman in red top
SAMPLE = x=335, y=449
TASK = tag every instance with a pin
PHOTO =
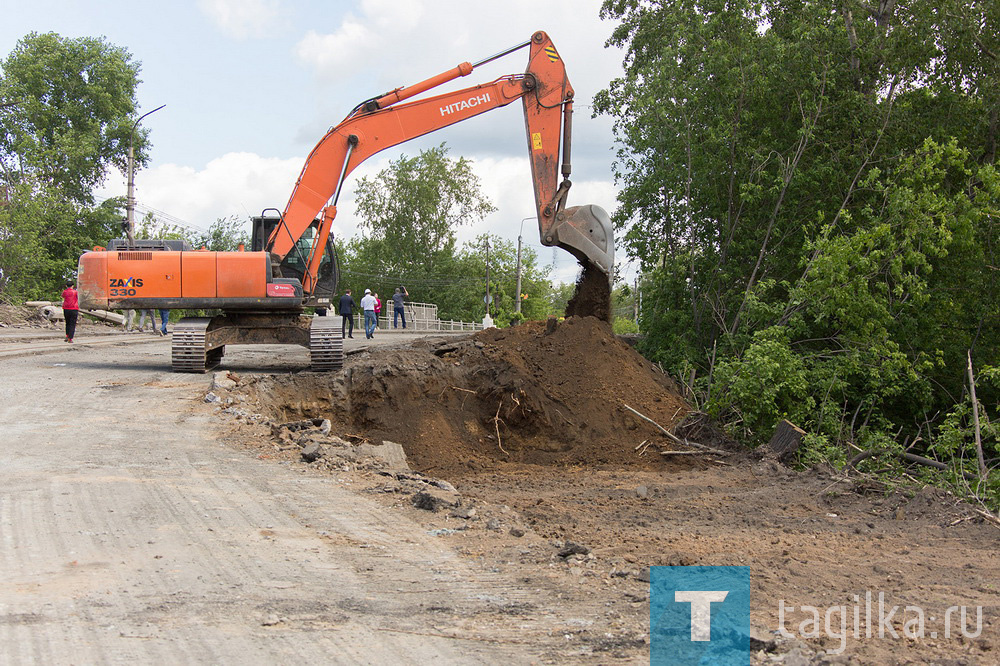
x=378, y=308
x=71, y=309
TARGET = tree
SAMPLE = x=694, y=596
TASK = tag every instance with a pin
x=464, y=297
x=410, y=210
x=66, y=109
x=67, y=112
x=226, y=234
x=458, y=284
x=811, y=192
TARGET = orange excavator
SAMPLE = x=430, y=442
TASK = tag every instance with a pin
x=262, y=292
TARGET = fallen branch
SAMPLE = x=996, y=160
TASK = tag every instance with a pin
x=496, y=424
x=990, y=518
x=685, y=453
x=975, y=419
x=908, y=457
x=675, y=438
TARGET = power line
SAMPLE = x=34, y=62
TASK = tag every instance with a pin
x=432, y=281
x=160, y=215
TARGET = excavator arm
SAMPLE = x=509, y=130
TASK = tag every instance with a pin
x=387, y=121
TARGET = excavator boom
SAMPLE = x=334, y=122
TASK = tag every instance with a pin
x=389, y=120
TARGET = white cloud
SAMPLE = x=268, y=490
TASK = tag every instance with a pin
x=243, y=19
x=352, y=44
x=398, y=40
x=240, y=184
x=336, y=51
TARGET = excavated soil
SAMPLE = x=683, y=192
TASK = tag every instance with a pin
x=542, y=393
x=526, y=459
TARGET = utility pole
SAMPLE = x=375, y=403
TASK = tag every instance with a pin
x=517, y=299
x=487, y=276
x=635, y=300
x=130, y=199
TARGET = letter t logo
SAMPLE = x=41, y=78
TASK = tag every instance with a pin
x=701, y=610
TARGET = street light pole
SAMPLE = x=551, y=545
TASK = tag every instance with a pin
x=517, y=304
x=130, y=199
x=488, y=277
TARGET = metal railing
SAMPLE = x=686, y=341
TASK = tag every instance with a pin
x=420, y=317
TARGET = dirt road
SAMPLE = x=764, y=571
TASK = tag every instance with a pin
x=130, y=533
x=140, y=523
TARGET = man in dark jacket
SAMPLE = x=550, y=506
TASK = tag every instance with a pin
x=397, y=306
x=346, y=310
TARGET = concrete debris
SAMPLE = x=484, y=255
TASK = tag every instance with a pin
x=572, y=548
x=323, y=425
x=222, y=381
x=312, y=452
x=434, y=499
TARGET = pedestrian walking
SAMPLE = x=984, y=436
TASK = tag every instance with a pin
x=143, y=314
x=346, y=310
x=378, y=308
x=128, y=320
x=368, y=306
x=164, y=318
x=71, y=309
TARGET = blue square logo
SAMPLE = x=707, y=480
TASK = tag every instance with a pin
x=700, y=615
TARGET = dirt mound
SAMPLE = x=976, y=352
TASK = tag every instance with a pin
x=543, y=393
x=17, y=315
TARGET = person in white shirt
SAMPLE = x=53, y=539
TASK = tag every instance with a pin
x=368, y=305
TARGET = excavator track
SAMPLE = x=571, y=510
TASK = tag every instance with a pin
x=188, y=351
x=326, y=344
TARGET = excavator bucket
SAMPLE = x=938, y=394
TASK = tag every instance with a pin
x=585, y=232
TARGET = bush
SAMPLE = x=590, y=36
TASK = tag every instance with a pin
x=624, y=326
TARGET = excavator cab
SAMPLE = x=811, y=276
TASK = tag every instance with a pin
x=296, y=262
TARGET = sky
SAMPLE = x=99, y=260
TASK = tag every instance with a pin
x=250, y=86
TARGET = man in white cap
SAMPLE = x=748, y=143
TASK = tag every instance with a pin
x=368, y=305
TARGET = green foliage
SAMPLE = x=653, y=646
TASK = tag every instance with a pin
x=226, y=234
x=765, y=384
x=811, y=192
x=409, y=211
x=66, y=112
x=624, y=326
x=42, y=236
x=558, y=299
x=152, y=227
